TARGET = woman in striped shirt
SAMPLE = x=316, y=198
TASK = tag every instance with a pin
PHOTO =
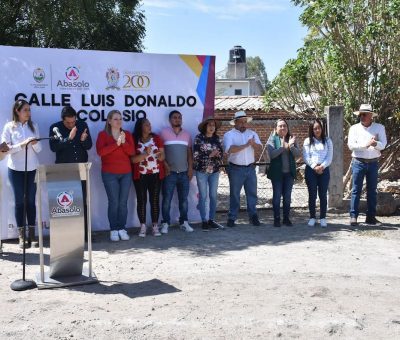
x=317, y=154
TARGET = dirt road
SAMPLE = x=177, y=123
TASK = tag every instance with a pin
x=241, y=283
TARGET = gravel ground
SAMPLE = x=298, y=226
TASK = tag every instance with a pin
x=239, y=283
x=264, y=193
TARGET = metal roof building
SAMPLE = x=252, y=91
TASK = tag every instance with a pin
x=237, y=103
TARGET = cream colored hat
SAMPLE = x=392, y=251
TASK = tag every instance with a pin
x=365, y=108
x=238, y=115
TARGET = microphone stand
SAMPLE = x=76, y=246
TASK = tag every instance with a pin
x=23, y=284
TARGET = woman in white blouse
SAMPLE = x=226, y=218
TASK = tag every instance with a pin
x=17, y=134
x=317, y=154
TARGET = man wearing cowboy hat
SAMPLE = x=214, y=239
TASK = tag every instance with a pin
x=240, y=144
x=366, y=140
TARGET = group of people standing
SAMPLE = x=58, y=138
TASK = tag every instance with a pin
x=366, y=140
x=241, y=144
x=165, y=162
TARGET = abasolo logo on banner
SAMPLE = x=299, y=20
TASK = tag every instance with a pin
x=65, y=207
x=72, y=75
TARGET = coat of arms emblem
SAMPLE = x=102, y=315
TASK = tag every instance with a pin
x=112, y=76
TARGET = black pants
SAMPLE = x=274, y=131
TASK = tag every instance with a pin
x=148, y=183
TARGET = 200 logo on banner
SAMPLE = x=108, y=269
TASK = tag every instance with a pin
x=136, y=81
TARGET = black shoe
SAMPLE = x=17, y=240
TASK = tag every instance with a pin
x=230, y=223
x=277, y=223
x=205, y=226
x=214, y=225
x=287, y=222
x=372, y=220
x=353, y=221
x=255, y=221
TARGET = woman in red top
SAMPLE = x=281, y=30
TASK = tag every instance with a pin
x=148, y=171
x=115, y=147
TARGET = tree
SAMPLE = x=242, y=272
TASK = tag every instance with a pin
x=256, y=68
x=82, y=24
x=350, y=56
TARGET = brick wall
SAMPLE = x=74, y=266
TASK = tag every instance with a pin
x=263, y=124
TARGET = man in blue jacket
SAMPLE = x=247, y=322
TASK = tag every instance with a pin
x=73, y=145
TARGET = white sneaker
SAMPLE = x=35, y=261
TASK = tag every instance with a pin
x=311, y=222
x=323, y=223
x=156, y=232
x=143, y=230
x=186, y=227
x=114, y=236
x=123, y=235
x=164, y=228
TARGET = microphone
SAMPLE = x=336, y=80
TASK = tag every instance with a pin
x=57, y=133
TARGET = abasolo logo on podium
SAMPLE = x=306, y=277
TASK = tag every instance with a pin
x=65, y=206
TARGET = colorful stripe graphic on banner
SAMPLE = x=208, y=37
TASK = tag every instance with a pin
x=203, y=67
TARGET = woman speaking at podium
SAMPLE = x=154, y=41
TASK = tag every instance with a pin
x=18, y=134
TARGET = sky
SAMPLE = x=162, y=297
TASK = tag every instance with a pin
x=269, y=29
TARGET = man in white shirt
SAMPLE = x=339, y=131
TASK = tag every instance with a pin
x=240, y=144
x=366, y=140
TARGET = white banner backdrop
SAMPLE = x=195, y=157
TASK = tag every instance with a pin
x=95, y=82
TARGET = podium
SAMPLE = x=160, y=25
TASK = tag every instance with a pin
x=67, y=230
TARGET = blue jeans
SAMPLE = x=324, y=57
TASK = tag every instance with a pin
x=317, y=183
x=240, y=176
x=370, y=172
x=282, y=188
x=17, y=182
x=180, y=180
x=210, y=181
x=117, y=188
